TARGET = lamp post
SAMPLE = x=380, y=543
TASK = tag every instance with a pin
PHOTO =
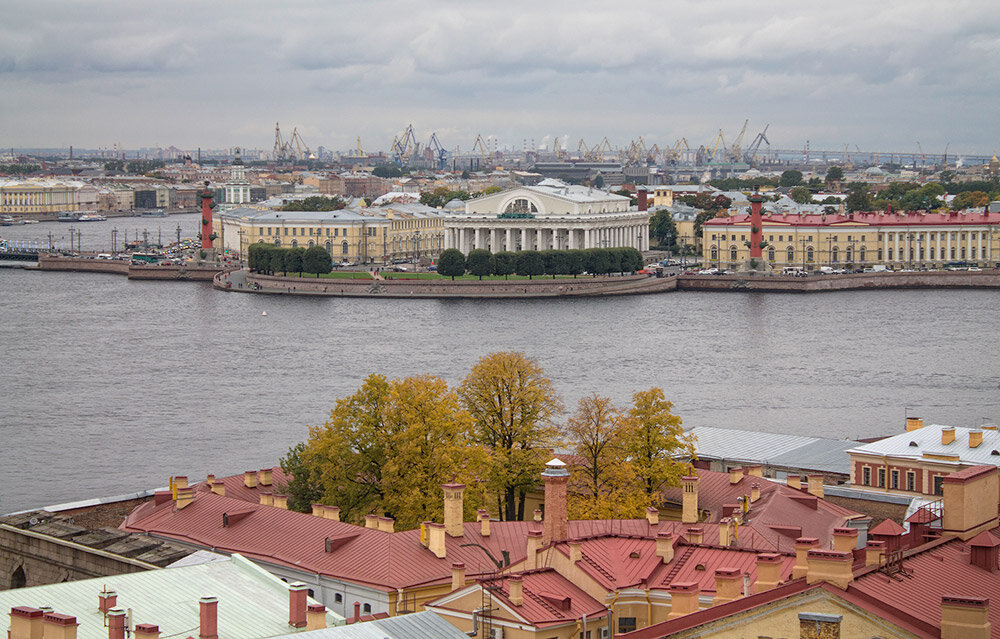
x=416, y=248
x=178, y=237
x=114, y=240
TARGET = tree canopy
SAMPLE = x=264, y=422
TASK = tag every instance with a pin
x=315, y=203
x=451, y=263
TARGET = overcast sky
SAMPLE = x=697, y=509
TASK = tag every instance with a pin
x=879, y=74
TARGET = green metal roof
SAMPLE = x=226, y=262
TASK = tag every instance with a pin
x=252, y=603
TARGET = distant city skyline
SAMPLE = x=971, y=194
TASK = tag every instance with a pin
x=883, y=77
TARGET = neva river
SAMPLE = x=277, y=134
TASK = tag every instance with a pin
x=108, y=386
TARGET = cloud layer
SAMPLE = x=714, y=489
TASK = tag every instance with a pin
x=882, y=76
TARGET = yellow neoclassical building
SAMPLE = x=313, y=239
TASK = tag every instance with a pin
x=364, y=235
x=39, y=196
x=896, y=240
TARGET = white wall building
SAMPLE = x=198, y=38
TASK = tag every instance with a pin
x=550, y=215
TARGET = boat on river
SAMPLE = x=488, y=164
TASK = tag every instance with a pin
x=67, y=217
x=92, y=217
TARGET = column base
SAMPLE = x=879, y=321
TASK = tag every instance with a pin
x=755, y=265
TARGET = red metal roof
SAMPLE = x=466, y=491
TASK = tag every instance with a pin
x=911, y=218
x=932, y=571
x=236, y=489
x=887, y=527
x=550, y=599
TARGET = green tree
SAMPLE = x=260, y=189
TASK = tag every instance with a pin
x=302, y=488
x=555, y=262
x=530, y=263
x=315, y=203
x=603, y=485
x=504, y=263
x=970, y=199
x=387, y=171
x=700, y=219
x=114, y=166
x=491, y=189
x=451, y=263
x=512, y=404
x=293, y=259
x=858, y=199
x=631, y=259
x=662, y=228
x=790, y=177
x=277, y=264
x=596, y=261
x=656, y=443
x=574, y=262
x=834, y=174
x=317, y=260
x=801, y=194
x=479, y=262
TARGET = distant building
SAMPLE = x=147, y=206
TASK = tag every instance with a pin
x=550, y=215
x=39, y=196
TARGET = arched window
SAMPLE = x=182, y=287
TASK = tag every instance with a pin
x=861, y=254
x=295, y=243
x=329, y=247
x=733, y=253
x=367, y=609
x=18, y=579
x=835, y=254
x=790, y=257
x=520, y=206
x=770, y=254
x=344, y=248
x=310, y=243
x=277, y=241
x=809, y=254
x=849, y=254
x=715, y=254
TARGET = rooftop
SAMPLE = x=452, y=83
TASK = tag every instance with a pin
x=910, y=218
x=917, y=444
x=795, y=451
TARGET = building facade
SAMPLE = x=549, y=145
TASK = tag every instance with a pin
x=39, y=196
x=551, y=215
x=897, y=240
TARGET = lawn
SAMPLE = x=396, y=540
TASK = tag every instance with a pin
x=486, y=278
x=343, y=275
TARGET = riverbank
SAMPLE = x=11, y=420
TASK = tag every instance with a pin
x=845, y=282
x=132, y=271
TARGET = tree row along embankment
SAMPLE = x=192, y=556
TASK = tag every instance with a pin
x=417, y=288
x=132, y=271
x=847, y=282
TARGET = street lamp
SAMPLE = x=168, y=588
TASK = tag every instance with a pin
x=416, y=248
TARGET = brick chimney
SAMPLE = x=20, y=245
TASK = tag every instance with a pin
x=735, y=475
x=914, y=423
x=297, y=601
x=534, y=542
x=754, y=493
x=516, y=586
x=652, y=516
x=318, y=510
x=983, y=551
x=219, y=488
x=58, y=626
x=830, y=566
x=106, y=600
x=575, y=550
x=280, y=501
x=689, y=513
x=683, y=598
x=331, y=512
x=185, y=496
x=315, y=617
x=484, y=522
x=965, y=617
x=643, y=201
x=755, y=471
x=181, y=481
x=816, y=486
x=147, y=631
x=264, y=476
x=454, y=517
x=25, y=623
x=947, y=435
x=818, y=625
x=695, y=534
x=371, y=521
x=975, y=437
x=209, y=618
x=457, y=576
x=536, y=515
x=386, y=524
x=556, y=478
x=802, y=546
x=724, y=531
x=665, y=546
x=727, y=585
x=768, y=572
x=266, y=498
x=874, y=553
x=845, y=539
x=794, y=481
x=116, y=623
x=250, y=478
x=435, y=538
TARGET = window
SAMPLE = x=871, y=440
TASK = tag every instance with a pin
x=770, y=238
x=367, y=609
x=894, y=479
x=781, y=238
x=834, y=238
x=295, y=243
x=790, y=254
x=343, y=248
x=866, y=476
x=848, y=238
x=835, y=254
x=880, y=254
x=328, y=232
x=938, y=485
x=849, y=254
x=862, y=253
x=881, y=477
x=770, y=254
x=809, y=254
x=338, y=598
x=329, y=247
x=911, y=481
x=713, y=237
x=286, y=231
x=743, y=238
x=890, y=255
x=295, y=231
x=732, y=253
x=626, y=624
x=715, y=254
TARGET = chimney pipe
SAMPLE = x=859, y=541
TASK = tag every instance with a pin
x=250, y=478
x=975, y=437
x=735, y=475
x=332, y=512
x=816, y=486
x=665, y=546
x=266, y=498
x=768, y=572
x=689, y=514
x=371, y=521
x=297, y=600
x=754, y=493
x=116, y=623
x=58, y=626
x=209, y=609
x=357, y=611
x=264, y=476
x=534, y=543
x=556, y=478
x=643, y=199
x=184, y=497
x=536, y=515
x=280, y=501
x=147, y=631
x=516, y=590
x=454, y=517
x=106, y=600
x=457, y=576
x=575, y=550
x=25, y=623
x=965, y=617
x=484, y=522
x=652, y=516
x=947, y=435
x=794, y=481
x=315, y=617
x=914, y=423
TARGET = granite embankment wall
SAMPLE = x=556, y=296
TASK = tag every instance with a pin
x=132, y=271
x=820, y=283
x=540, y=287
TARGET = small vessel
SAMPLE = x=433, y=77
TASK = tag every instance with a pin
x=263, y=313
x=92, y=217
x=6, y=220
x=67, y=217
x=154, y=213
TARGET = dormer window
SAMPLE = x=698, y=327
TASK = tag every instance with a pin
x=913, y=443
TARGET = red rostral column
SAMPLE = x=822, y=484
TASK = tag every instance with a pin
x=756, y=228
x=206, y=218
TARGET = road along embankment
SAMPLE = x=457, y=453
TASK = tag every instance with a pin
x=846, y=282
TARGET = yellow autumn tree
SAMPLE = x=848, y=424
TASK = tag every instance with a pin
x=655, y=442
x=512, y=404
x=603, y=483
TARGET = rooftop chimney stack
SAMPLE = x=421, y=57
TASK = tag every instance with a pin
x=315, y=617
x=965, y=617
x=219, y=488
x=116, y=623
x=802, y=546
x=184, y=497
x=794, y=481
x=556, y=478
x=665, y=546
x=484, y=522
x=280, y=501
x=727, y=585
x=25, y=623
x=209, y=618
x=534, y=543
x=250, y=479
x=768, y=572
x=874, y=552
x=689, y=514
x=266, y=498
x=643, y=199
x=947, y=435
x=575, y=550
x=457, y=576
x=107, y=600
x=652, y=516
x=435, y=538
x=816, y=486
x=58, y=626
x=264, y=476
x=735, y=475
x=830, y=566
x=386, y=524
x=516, y=590
x=371, y=521
x=845, y=539
x=695, y=534
x=454, y=513
x=975, y=437
x=914, y=423
x=147, y=631
x=297, y=601
x=754, y=493
x=332, y=512
x=683, y=598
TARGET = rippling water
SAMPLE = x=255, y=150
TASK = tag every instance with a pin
x=110, y=386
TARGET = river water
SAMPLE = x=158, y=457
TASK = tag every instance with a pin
x=108, y=386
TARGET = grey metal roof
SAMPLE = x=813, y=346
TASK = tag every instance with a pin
x=796, y=451
x=913, y=444
x=422, y=625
